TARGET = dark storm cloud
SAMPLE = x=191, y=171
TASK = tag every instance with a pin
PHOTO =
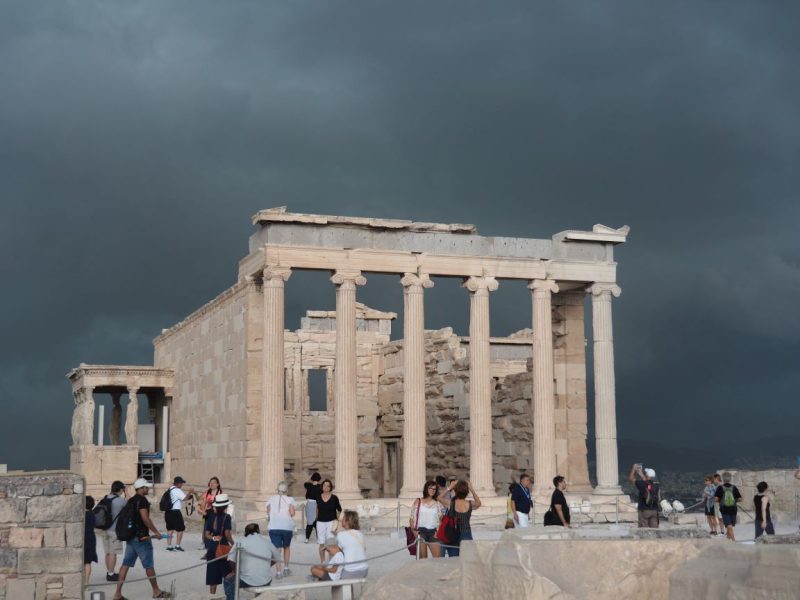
x=136, y=139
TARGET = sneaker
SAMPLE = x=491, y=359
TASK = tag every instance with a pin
x=279, y=574
x=286, y=572
x=179, y=549
x=170, y=548
x=306, y=543
x=112, y=576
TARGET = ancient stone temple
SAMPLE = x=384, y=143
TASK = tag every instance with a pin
x=234, y=392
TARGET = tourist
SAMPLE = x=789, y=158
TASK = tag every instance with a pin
x=173, y=518
x=462, y=510
x=717, y=513
x=313, y=491
x=424, y=520
x=328, y=511
x=351, y=541
x=141, y=546
x=649, y=495
x=332, y=569
x=708, y=503
x=763, y=518
x=727, y=497
x=281, y=510
x=205, y=506
x=558, y=502
x=89, y=541
x=521, y=501
x=445, y=491
x=111, y=545
x=218, y=534
x=255, y=565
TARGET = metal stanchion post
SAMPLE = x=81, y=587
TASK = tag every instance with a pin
x=616, y=511
x=533, y=511
x=419, y=544
x=238, y=565
x=398, y=515
x=97, y=596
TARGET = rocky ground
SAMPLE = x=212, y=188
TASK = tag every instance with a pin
x=190, y=583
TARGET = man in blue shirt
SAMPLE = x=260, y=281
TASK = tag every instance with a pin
x=521, y=500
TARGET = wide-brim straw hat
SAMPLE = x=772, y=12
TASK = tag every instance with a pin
x=221, y=500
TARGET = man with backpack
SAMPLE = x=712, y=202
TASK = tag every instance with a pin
x=727, y=497
x=649, y=495
x=171, y=503
x=106, y=514
x=133, y=527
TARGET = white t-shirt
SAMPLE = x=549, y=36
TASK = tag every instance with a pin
x=336, y=559
x=177, y=496
x=279, y=515
x=351, y=541
x=428, y=516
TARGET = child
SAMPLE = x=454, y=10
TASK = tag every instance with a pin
x=331, y=570
x=708, y=503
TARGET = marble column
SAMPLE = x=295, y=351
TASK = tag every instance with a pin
x=116, y=418
x=480, y=385
x=345, y=400
x=414, y=426
x=82, y=417
x=544, y=409
x=604, y=389
x=132, y=417
x=272, y=461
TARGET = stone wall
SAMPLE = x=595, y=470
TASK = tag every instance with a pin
x=41, y=536
x=211, y=430
x=447, y=398
x=310, y=435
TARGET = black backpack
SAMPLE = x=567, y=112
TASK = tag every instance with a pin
x=652, y=498
x=128, y=522
x=165, y=503
x=102, y=514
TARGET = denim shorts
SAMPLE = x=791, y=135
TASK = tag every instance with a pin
x=141, y=549
x=729, y=520
x=280, y=538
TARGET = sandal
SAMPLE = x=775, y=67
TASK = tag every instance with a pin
x=163, y=594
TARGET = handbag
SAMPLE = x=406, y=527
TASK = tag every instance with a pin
x=221, y=549
x=551, y=518
x=448, y=532
x=411, y=537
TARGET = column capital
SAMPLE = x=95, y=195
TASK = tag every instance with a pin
x=416, y=279
x=546, y=285
x=276, y=273
x=133, y=390
x=341, y=276
x=484, y=282
x=597, y=289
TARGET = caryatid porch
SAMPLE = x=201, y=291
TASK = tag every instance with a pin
x=101, y=459
x=351, y=247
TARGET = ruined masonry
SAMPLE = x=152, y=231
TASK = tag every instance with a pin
x=234, y=393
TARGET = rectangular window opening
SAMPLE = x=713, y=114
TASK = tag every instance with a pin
x=318, y=389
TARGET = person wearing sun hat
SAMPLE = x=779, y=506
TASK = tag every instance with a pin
x=218, y=533
x=140, y=547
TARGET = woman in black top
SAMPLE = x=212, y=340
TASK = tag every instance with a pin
x=89, y=541
x=313, y=490
x=558, y=502
x=763, y=518
x=328, y=510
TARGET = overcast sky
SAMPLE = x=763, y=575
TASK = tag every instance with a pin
x=137, y=139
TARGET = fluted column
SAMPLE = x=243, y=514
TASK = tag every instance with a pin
x=132, y=417
x=480, y=385
x=414, y=427
x=345, y=402
x=116, y=418
x=272, y=400
x=544, y=426
x=604, y=388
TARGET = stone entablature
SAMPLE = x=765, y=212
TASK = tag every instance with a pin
x=124, y=376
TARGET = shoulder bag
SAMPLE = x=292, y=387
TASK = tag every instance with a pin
x=411, y=537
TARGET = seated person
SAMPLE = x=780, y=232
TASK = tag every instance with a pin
x=331, y=570
x=255, y=567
